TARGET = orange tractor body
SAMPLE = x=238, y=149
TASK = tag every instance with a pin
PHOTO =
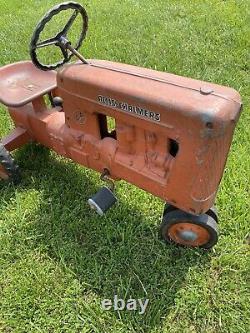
x=164, y=133
x=170, y=135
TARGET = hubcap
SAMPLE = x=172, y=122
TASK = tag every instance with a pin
x=189, y=234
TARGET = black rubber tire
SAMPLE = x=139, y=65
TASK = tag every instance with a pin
x=212, y=211
x=178, y=216
x=168, y=208
x=10, y=166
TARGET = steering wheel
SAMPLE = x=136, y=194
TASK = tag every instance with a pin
x=60, y=40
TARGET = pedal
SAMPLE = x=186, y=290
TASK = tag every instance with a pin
x=102, y=201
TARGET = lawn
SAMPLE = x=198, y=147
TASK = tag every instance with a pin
x=58, y=260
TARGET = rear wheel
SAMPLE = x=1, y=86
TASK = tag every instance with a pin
x=169, y=208
x=9, y=170
x=189, y=230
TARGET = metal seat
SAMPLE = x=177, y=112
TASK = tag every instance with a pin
x=22, y=82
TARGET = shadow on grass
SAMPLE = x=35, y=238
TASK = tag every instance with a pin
x=118, y=254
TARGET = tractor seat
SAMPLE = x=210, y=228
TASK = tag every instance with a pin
x=22, y=82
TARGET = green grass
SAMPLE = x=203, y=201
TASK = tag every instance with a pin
x=57, y=259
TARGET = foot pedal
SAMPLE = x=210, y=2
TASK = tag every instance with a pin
x=102, y=200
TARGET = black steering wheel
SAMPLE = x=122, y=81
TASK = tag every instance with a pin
x=60, y=40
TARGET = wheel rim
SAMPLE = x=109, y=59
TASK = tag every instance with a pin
x=3, y=174
x=189, y=234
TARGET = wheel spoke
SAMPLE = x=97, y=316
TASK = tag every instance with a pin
x=47, y=42
x=69, y=23
x=64, y=52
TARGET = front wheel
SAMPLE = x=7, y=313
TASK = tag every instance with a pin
x=189, y=230
x=9, y=170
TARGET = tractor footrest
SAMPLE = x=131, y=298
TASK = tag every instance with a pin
x=22, y=82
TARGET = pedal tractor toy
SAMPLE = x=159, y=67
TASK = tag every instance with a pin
x=171, y=136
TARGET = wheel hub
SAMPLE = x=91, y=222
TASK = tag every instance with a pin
x=188, y=234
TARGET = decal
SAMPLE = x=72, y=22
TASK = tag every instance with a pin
x=129, y=108
x=80, y=117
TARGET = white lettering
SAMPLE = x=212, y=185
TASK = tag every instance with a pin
x=106, y=304
x=131, y=305
x=143, y=306
x=116, y=303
